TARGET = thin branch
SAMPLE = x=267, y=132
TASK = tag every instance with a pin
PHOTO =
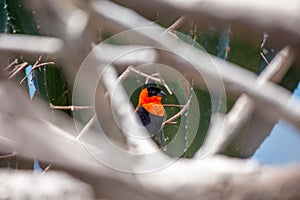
x=8, y=156
x=72, y=108
x=130, y=69
x=263, y=57
x=11, y=64
x=278, y=66
x=34, y=67
x=43, y=64
x=179, y=22
x=177, y=115
x=245, y=16
x=145, y=75
x=46, y=169
x=173, y=105
x=242, y=111
x=19, y=69
x=165, y=84
x=181, y=112
x=86, y=127
x=30, y=44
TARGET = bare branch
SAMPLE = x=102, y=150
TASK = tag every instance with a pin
x=11, y=64
x=248, y=17
x=263, y=56
x=172, y=29
x=130, y=69
x=30, y=44
x=33, y=186
x=278, y=67
x=86, y=127
x=243, y=109
x=72, y=108
x=36, y=65
x=8, y=156
x=181, y=112
x=173, y=105
x=19, y=68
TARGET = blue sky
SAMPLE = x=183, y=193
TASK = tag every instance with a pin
x=283, y=144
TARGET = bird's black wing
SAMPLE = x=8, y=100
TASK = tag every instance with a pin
x=144, y=115
x=153, y=123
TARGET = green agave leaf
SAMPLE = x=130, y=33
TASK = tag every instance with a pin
x=3, y=16
x=21, y=20
x=51, y=86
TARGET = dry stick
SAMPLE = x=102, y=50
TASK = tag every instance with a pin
x=8, y=156
x=145, y=75
x=162, y=81
x=173, y=105
x=19, y=68
x=172, y=29
x=125, y=74
x=242, y=110
x=278, y=66
x=165, y=85
x=46, y=169
x=86, y=127
x=181, y=112
x=38, y=60
x=130, y=69
x=34, y=67
x=72, y=108
x=263, y=56
x=11, y=64
x=152, y=75
x=42, y=64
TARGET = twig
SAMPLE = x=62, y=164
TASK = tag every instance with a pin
x=72, y=108
x=164, y=84
x=86, y=127
x=43, y=64
x=147, y=78
x=173, y=105
x=34, y=67
x=8, y=156
x=242, y=110
x=130, y=69
x=145, y=75
x=172, y=29
x=18, y=69
x=264, y=58
x=165, y=123
x=181, y=112
x=46, y=169
x=11, y=64
x=38, y=60
x=278, y=66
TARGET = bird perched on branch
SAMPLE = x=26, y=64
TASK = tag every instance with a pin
x=150, y=109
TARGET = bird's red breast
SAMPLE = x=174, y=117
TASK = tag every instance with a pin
x=152, y=104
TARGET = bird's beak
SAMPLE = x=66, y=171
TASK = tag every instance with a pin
x=161, y=94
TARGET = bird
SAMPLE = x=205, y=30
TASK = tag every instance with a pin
x=150, y=109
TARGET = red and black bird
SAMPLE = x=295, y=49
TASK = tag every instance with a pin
x=150, y=108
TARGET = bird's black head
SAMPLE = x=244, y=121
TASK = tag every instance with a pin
x=155, y=91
